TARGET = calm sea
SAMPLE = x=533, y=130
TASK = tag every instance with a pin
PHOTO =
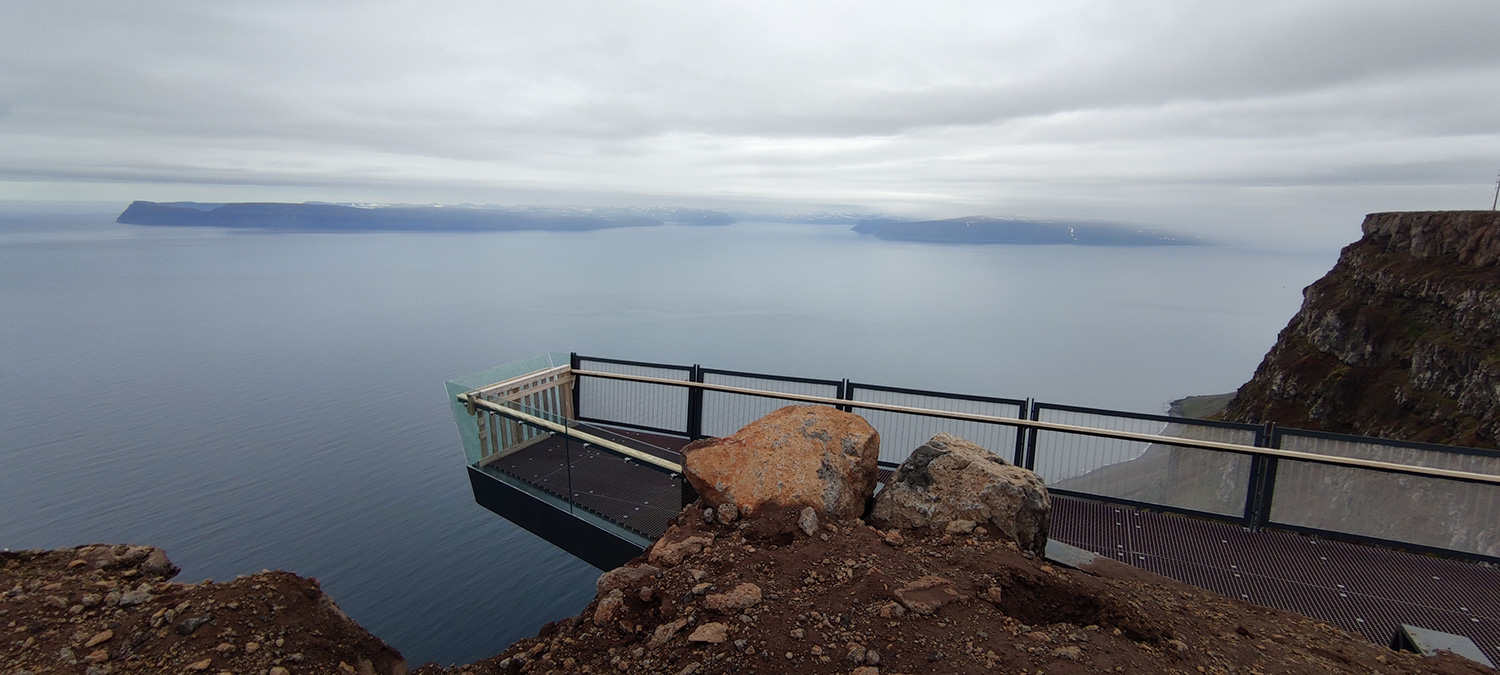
x=249, y=400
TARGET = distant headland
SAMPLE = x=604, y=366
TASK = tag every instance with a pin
x=315, y=217
x=991, y=230
x=329, y=217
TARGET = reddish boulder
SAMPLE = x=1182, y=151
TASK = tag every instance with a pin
x=796, y=456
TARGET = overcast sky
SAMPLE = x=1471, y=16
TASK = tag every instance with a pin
x=1249, y=120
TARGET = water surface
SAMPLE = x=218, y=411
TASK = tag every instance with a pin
x=249, y=400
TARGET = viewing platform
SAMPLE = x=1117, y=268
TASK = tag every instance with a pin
x=1366, y=534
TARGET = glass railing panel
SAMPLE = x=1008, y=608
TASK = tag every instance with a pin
x=901, y=433
x=641, y=404
x=1409, y=509
x=726, y=412
x=1160, y=473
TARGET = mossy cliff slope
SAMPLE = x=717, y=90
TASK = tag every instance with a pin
x=1400, y=340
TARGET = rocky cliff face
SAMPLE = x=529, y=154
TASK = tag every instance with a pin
x=1400, y=340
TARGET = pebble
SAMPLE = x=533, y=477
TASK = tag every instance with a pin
x=99, y=638
x=135, y=597
x=191, y=624
x=200, y=665
x=278, y=670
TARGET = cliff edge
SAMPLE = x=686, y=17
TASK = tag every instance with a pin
x=1401, y=339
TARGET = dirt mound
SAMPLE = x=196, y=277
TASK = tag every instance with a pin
x=103, y=610
x=853, y=599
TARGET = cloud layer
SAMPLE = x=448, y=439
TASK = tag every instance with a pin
x=1231, y=118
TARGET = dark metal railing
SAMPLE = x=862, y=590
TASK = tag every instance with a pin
x=1253, y=475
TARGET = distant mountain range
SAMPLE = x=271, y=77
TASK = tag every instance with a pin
x=360, y=217
x=991, y=230
x=326, y=217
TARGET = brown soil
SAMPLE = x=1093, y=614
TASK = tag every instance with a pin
x=106, y=609
x=833, y=603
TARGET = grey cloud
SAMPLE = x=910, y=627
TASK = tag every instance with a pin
x=989, y=106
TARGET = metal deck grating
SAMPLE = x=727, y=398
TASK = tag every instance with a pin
x=620, y=490
x=1363, y=589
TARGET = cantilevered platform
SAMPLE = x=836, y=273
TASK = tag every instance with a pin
x=1364, y=533
x=1363, y=589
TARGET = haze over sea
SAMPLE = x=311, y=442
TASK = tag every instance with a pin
x=249, y=400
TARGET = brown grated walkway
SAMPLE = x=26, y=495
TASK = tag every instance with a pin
x=1363, y=589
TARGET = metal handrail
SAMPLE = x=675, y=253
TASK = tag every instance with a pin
x=545, y=423
x=1067, y=428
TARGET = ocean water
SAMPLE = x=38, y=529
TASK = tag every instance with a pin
x=252, y=400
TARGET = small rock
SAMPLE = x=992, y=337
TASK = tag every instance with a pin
x=866, y=670
x=727, y=513
x=99, y=638
x=671, y=553
x=893, y=537
x=993, y=594
x=190, y=624
x=224, y=647
x=1070, y=652
x=345, y=668
x=91, y=600
x=856, y=654
x=927, y=594
x=798, y=633
x=609, y=607
x=97, y=656
x=252, y=647
x=623, y=577
x=959, y=526
x=891, y=610
x=156, y=564
x=808, y=521
x=135, y=597
x=278, y=670
x=713, y=633
x=200, y=665
x=702, y=588
x=665, y=632
x=743, y=596
x=872, y=657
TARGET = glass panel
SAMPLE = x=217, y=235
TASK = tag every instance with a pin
x=1420, y=510
x=1154, y=473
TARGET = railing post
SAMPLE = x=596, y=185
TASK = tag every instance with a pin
x=846, y=393
x=694, y=411
x=1021, y=434
x=1262, y=479
x=574, y=364
x=1034, y=413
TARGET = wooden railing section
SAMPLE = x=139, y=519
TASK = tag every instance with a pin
x=546, y=394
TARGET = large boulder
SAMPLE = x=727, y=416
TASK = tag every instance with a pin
x=797, y=456
x=949, y=479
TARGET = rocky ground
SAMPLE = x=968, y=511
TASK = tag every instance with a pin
x=764, y=596
x=103, y=610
